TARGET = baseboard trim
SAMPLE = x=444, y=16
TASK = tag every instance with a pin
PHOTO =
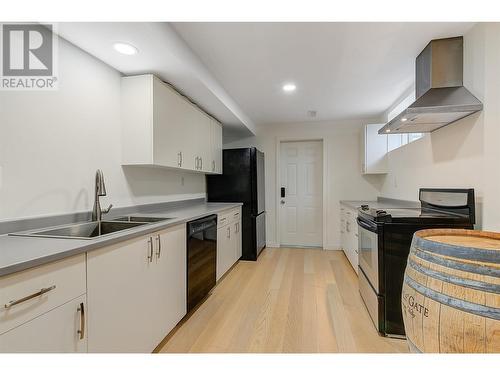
x=272, y=244
x=331, y=247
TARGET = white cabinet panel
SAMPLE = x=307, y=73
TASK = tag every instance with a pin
x=225, y=252
x=169, y=279
x=349, y=234
x=60, y=281
x=237, y=240
x=170, y=138
x=137, y=120
x=61, y=330
x=121, y=294
x=203, y=141
x=374, y=148
x=229, y=248
x=136, y=291
x=216, y=142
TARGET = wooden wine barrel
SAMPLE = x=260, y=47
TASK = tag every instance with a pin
x=451, y=292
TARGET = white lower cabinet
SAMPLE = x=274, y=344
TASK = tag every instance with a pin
x=62, y=330
x=237, y=239
x=349, y=234
x=136, y=291
x=228, y=240
x=170, y=280
x=43, y=309
x=224, y=254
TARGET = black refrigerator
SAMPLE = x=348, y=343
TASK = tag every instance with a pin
x=242, y=180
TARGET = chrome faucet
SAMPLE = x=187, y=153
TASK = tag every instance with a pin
x=100, y=191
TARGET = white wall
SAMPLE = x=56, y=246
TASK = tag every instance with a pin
x=344, y=179
x=466, y=153
x=51, y=144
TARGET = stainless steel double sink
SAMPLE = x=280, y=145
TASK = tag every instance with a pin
x=94, y=229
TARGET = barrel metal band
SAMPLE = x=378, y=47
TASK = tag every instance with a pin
x=469, y=307
x=468, y=253
x=468, y=283
x=479, y=269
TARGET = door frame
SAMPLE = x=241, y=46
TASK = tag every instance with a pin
x=279, y=141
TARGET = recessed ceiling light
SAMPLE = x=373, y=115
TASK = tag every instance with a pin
x=125, y=48
x=289, y=87
x=404, y=119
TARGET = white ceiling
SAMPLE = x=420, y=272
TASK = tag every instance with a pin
x=164, y=53
x=342, y=70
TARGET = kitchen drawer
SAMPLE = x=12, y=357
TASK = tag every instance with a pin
x=61, y=330
x=228, y=216
x=235, y=215
x=60, y=282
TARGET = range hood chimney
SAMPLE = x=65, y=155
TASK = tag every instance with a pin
x=441, y=98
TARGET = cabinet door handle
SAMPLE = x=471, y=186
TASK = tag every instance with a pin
x=158, y=252
x=81, y=310
x=201, y=163
x=150, y=244
x=213, y=165
x=228, y=232
x=179, y=159
x=348, y=226
x=31, y=296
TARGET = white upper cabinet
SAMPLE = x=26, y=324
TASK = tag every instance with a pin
x=373, y=150
x=216, y=142
x=162, y=128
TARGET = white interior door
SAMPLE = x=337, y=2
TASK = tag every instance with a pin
x=301, y=210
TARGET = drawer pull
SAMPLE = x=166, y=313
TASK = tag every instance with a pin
x=31, y=296
x=81, y=331
x=158, y=252
x=150, y=244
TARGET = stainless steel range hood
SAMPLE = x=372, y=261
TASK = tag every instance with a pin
x=441, y=96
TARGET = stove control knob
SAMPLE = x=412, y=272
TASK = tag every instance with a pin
x=365, y=207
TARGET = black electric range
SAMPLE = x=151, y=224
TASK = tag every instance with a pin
x=385, y=237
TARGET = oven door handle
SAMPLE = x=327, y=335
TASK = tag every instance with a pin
x=365, y=225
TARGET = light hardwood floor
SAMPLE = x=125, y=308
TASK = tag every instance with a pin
x=289, y=301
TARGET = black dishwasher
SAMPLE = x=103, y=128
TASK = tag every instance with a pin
x=201, y=258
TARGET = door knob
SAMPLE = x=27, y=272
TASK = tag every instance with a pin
x=282, y=201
